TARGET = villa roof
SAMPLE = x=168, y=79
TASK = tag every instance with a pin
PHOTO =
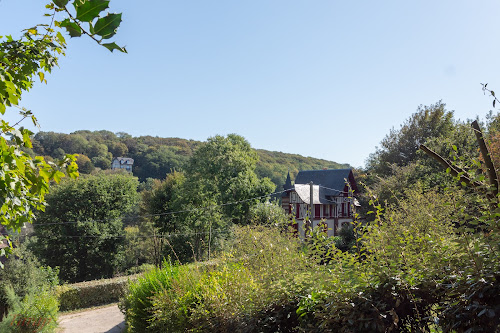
x=326, y=184
x=124, y=160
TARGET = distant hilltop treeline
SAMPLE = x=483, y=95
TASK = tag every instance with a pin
x=154, y=157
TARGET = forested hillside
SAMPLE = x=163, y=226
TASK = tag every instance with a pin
x=154, y=157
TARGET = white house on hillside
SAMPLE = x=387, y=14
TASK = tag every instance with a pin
x=122, y=163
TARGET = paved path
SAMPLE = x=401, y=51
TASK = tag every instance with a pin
x=108, y=319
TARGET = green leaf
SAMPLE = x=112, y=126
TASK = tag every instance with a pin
x=73, y=29
x=57, y=176
x=26, y=139
x=44, y=174
x=61, y=3
x=106, y=26
x=88, y=10
x=113, y=46
x=60, y=38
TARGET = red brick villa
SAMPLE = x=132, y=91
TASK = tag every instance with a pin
x=333, y=199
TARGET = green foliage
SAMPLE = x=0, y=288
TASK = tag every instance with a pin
x=318, y=246
x=163, y=198
x=35, y=312
x=400, y=165
x=388, y=282
x=154, y=157
x=138, y=303
x=414, y=269
x=26, y=294
x=429, y=261
x=90, y=246
x=24, y=180
x=400, y=147
x=91, y=293
x=157, y=162
x=409, y=270
x=266, y=213
x=84, y=164
x=224, y=169
x=88, y=10
x=253, y=286
x=140, y=250
x=192, y=208
x=24, y=275
x=472, y=304
x=86, y=18
x=346, y=240
x=101, y=162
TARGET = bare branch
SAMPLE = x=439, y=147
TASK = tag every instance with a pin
x=490, y=167
x=454, y=170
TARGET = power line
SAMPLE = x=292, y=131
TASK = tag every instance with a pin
x=177, y=212
x=169, y=235
x=332, y=189
x=165, y=213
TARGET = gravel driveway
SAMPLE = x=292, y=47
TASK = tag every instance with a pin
x=108, y=319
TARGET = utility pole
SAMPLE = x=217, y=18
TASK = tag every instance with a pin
x=311, y=199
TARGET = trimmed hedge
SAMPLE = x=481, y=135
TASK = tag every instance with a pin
x=92, y=293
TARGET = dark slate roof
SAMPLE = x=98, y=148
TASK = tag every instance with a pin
x=125, y=160
x=288, y=182
x=333, y=179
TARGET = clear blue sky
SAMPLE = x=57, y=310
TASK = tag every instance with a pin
x=326, y=79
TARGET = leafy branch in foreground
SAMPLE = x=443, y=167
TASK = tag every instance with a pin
x=491, y=92
x=89, y=13
x=24, y=180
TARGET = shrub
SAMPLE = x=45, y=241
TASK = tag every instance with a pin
x=91, y=293
x=139, y=269
x=265, y=213
x=346, y=239
x=35, y=312
x=208, y=303
x=137, y=303
x=23, y=273
x=261, y=273
x=413, y=272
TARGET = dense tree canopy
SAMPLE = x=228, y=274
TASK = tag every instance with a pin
x=81, y=228
x=400, y=146
x=224, y=169
x=217, y=189
x=399, y=164
x=154, y=157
